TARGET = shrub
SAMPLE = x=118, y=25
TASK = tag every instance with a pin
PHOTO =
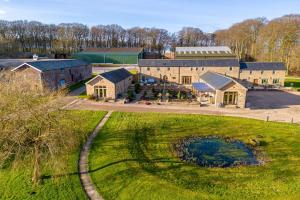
x=137, y=88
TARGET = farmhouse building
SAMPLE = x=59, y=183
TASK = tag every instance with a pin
x=186, y=72
x=55, y=74
x=109, y=85
x=201, y=74
x=111, y=55
x=253, y=74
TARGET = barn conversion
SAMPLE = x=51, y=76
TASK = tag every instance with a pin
x=111, y=55
x=200, y=67
x=109, y=85
x=54, y=74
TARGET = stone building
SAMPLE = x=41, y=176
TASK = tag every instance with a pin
x=186, y=72
x=55, y=74
x=263, y=74
x=220, y=90
x=109, y=85
x=241, y=76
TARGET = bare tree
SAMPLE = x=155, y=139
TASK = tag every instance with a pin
x=32, y=124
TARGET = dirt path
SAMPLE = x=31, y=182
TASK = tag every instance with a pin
x=85, y=178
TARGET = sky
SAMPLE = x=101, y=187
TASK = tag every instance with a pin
x=208, y=15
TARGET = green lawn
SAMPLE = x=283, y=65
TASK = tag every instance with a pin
x=292, y=81
x=133, y=158
x=15, y=182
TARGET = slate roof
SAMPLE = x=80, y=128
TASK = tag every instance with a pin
x=188, y=63
x=215, y=80
x=48, y=65
x=12, y=63
x=117, y=75
x=262, y=66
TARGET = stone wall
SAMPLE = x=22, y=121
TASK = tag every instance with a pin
x=234, y=87
x=174, y=74
x=112, y=90
x=70, y=75
x=99, y=81
x=247, y=77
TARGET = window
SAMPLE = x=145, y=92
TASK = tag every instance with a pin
x=250, y=72
x=62, y=83
x=100, y=91
x=169, y=68
x=202, y=68
x=230, y=68
x=262, y=71
x=276, y=81
x=186, y=80
x=191, y=69
x=264, y=81
x=196, y=68
x=148, y=68
x=273, y=71
x=230, y=98
x=158, y=69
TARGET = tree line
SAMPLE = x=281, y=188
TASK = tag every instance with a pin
x=33, y=36
x=251, y=40
x=263, y=40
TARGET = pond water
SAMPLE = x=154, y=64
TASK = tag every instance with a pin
x=216, y=152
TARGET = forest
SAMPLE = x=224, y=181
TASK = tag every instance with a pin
x=256, y=39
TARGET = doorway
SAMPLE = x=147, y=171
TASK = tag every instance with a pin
x=100, y=92
x=230, y=98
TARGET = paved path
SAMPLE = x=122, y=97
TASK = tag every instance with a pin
x=289, y=114
x=85, y=178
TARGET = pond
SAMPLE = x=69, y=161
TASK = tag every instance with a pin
x=216, y=152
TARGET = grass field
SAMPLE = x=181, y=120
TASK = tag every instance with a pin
x=292, y=81
x=15, y=182
x=133, y=158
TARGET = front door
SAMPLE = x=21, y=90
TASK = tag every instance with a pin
x=230, y=98
x=100, y=92
x=255, y=82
